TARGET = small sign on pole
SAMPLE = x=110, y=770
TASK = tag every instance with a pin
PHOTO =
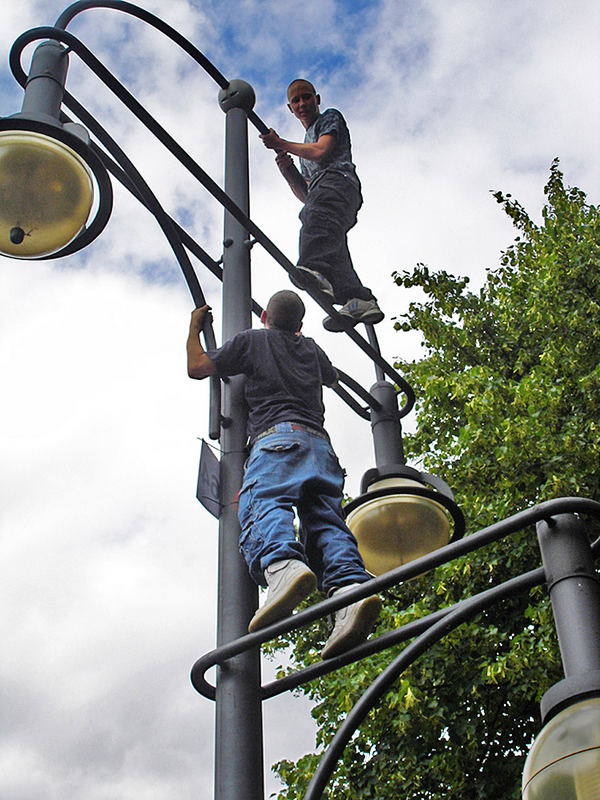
x=209, y=480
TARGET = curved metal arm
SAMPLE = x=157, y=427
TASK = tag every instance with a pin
x=135, y=11
x=119, y=5
x=467, y=610
x=183, y=157
x=371, y=401
x=138, y=186
x=492, y=533
x=350, y=401
x=142, y=191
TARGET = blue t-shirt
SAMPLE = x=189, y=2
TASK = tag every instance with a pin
x=340, y=158
x=285, y=374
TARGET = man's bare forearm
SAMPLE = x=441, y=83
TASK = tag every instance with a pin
x=199, y=365
x=297, y=184
x=313, y=151
x=292, y=175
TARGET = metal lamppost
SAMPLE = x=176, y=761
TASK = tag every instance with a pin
x=49, y=169
x=238, y=729
x=393, y=495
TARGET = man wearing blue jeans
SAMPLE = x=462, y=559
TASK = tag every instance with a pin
x=291, y=466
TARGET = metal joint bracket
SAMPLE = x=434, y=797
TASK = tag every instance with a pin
x=588, y=575
x=237, y=94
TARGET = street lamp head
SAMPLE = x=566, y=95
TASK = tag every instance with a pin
x=400, y=517
x=47, y=178
x=564, y=760
x=48, y=170
x=45, y=194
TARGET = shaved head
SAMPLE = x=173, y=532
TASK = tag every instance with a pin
x=285, y=310
x=303, y=81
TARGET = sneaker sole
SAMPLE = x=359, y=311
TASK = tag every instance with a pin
x=313, y=284
x=364, y=622
x=298, y=590
x=372, y=317
x=337, y=326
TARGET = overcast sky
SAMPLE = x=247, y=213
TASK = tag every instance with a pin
x=107, y=561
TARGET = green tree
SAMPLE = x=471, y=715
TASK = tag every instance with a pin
x=507, y=397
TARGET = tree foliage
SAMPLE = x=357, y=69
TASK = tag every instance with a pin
x=507, y=396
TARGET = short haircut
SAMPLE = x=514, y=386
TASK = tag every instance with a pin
x=300, y=80
x=285, y=310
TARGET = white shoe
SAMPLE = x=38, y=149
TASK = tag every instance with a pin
x=289, y=582
x=313, y=280
x=352, y=624
x=353, y=312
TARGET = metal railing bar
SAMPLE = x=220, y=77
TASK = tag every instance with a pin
x=185, y=159
x=135, y=11
x=216, y=269
x=350, y=401
x=492, y=533
x=461, y=614
x=372, y=337
x=371, y=401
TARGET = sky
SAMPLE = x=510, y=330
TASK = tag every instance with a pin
x=107, y=560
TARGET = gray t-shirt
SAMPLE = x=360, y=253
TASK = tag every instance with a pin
x=285, y=374
x=340, y=158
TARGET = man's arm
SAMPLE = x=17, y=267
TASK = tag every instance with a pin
x=312, y=151
x=290, y=172
x=334, y=381
x=199, y=365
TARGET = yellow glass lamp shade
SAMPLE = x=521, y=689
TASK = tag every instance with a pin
x=397, y=528
x=564, y=761
x=46, y=194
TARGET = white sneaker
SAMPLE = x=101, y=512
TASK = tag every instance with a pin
x=313, y=280
x=353, y=312
x=289, y=582
x=352, y=624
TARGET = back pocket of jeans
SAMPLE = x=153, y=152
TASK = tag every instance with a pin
x=280, y=447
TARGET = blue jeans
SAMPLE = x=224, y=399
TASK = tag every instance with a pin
x=293, y=468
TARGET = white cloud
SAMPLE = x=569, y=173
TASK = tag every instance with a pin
x=108, y=563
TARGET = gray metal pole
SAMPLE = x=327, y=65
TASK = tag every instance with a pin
x=238, y=712
x=574, y=592
x=385, y=426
